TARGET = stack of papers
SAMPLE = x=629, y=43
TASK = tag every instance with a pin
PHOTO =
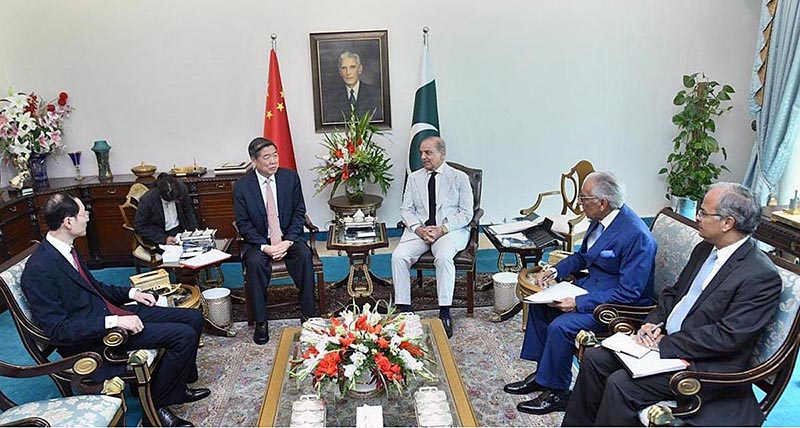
x=205, y=259
x=514, y=227
x=555, y=292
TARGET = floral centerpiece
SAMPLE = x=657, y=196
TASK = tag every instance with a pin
x=353, y=158
x=361, y=347
x=30, y=128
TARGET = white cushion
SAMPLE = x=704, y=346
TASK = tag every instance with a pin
x=561, y=226
x=141, y=253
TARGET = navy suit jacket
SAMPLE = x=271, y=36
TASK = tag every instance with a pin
x=64, y=305
x=251, y=210
x=620, y=263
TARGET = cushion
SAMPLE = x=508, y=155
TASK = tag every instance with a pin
x=777, y=331
x=675, y=243
x=12, y=277
x=561, y=226
x=141, y=253
x=83, y=411
x=462, y=257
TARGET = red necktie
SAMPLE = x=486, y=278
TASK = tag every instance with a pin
x=111, y=307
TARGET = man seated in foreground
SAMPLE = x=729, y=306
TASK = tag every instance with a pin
x=75, y=309
x=712, y=317
x=619, y=253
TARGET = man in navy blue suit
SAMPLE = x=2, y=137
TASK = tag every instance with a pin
x=75, y=309
x=619, y=253
x=270, y=214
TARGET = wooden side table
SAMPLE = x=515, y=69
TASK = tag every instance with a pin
x=341, y=207
x=785, y=238
x=358, y=253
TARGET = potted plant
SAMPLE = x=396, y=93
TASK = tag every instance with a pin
x=690, y=169
x=353, y=158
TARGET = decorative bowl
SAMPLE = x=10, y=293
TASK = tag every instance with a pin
x=143, y=170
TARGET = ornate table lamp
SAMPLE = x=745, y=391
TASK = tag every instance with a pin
x=101, y=149
x=75, y=157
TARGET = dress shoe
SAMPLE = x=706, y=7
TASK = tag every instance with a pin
x=551, y=400
x=196, y=394
x=525, y=386
x=447, y=322
x=169, y=419
x=261, y=335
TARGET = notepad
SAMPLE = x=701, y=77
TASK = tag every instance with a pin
x=513, y=227
x=555, y=292
x=650, y=364
x=621, y=342
x=205, y=259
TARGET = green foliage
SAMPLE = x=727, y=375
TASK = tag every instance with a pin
x=689, y=168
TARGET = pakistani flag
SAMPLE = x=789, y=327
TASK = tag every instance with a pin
x=425, y=122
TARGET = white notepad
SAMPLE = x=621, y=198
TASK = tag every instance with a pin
x=559, y=291
x=651, y=363
x=205, y=259
x=621, y=342
x=516, y=226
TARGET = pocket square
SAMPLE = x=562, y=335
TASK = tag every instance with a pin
x=607, y=254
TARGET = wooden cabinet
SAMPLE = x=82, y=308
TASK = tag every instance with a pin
x=107, y=243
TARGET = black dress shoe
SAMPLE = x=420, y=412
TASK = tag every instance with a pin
x=169, y=419
x=261, y=335
x=525, y=386
x=448, y=326
x=547, y=402
x=196, y=394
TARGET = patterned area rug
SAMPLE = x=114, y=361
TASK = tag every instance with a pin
x=424, y=297
x=487, y=355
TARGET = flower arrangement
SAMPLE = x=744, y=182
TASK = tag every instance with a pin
x=362, y=343
x=29, y=126
x=353, y=158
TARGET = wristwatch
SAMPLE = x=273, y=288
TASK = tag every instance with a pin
x=445, y=229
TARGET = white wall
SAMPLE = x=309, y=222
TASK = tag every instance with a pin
x=526, y=88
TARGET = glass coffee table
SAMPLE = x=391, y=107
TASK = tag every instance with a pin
x=398, y=409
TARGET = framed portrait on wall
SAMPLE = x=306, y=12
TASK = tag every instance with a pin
x=350, y=70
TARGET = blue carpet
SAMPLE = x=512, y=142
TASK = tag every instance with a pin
x=24, y=390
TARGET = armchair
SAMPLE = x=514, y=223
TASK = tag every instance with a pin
x=466, y=259
x=572, y=226
x=82, y=410
x=144, y=254
x=138, y=365
x=279, y=271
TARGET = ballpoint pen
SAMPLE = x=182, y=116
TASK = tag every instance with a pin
x=659, y=325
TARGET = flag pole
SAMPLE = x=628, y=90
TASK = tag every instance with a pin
x=425, y=31
x=274, y=38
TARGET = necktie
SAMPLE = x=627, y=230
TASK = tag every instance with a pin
x=675, y=319
x=352, y=98
x=111, y=307
x=431, y=200
x=595, y=235
x=273, y=223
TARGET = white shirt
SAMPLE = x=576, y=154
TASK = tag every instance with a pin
x=438, y=172
x=354, y=88
x=170, y=215
x=723, y=254
x=66, y=251
x=262, y=183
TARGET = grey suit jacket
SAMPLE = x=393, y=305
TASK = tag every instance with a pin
x=453, y=201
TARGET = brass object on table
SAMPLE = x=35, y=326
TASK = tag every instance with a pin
x=156, y=280
x=190, y=170
x=143, y=170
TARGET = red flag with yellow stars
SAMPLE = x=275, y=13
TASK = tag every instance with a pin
x=276, y=119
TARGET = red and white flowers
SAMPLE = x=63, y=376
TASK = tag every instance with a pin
x=28, y=125
x=362, y=342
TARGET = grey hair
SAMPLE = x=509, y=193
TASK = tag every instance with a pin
x=739, y=203
x=440, y=144
x=348, y=54
x=606, y=186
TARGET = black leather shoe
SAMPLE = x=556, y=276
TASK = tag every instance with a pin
x=261, y=335
x=547, y=402
x=196, y=394
x=169, y=419
x=525, y=386
x=448, y=326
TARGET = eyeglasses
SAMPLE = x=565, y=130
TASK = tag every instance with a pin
x=702, y=213
x=84, y=215
x=587, y=198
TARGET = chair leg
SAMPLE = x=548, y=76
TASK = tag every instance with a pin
x=470, y=293
x=419, y=278
x=322, y=299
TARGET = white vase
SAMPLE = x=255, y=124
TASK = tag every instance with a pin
x=366, y=385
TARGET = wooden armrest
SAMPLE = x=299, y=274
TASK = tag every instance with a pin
x=310, y=226
x=82, y=364
x=401, y=225
x=573, y=221
x=33, y=421
x=627, y=325
x=539, y=199
x=607, y=312
x=476, y=218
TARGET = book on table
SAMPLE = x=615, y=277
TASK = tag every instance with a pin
x=233, y=168
x=556, y=292
x=205, y=259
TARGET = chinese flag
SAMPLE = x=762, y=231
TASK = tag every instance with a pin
x=276, y=119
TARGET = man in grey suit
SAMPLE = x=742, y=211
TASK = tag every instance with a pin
x=437, y=209
x=712, y=316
